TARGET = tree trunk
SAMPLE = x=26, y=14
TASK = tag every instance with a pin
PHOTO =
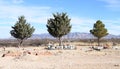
x=98, y=41
x=60, y=41
x=20, y=42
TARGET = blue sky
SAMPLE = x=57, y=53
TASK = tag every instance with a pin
x=83, y=14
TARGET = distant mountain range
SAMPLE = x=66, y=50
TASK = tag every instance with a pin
x=75, y=35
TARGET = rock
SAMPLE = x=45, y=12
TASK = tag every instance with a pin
x=61, y=47
x=53, y=48
x=36, y=54
x=29, y=52
x=98, y=48
x=3, y=55
x=49, y=47
x=116, y=65
x=116, y=47
x=57, y=47
x=72, y=47
x=65, y=47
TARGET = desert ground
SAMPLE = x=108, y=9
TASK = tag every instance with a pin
x=39, y=58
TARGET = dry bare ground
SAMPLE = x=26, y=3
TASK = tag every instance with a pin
x=39, y=58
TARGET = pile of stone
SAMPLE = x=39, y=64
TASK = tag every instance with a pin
x=70, y=47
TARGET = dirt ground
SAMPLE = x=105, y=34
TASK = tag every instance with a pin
x=39, y=58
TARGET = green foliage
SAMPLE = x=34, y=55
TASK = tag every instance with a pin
x=59, y=25
x=22, y=30
x=99, y=30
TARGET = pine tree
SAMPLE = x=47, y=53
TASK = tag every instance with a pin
x=99, y=30
x=22, y=30
x=59, y=26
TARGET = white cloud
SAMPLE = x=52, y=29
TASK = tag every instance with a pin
x=78, y=20
x=33, y=12
x=11, y=1
x=112, y=4
x=10, y=12
x=81, y=24
x=15, y=11
x=17, y=1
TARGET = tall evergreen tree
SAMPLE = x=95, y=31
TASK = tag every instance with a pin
x=22, y=30
x=59, y=26
x=99, y=30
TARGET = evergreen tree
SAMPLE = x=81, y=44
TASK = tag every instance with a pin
x=99, y=30
x=59, y=26
x=22, y=30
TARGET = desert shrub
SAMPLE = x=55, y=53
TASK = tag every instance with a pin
x=44, y=42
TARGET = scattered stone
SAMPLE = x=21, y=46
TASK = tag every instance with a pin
x=61, y=47
x=8, y=52
x=49, y=47
x=52, y=48
x=98, y=48
x=116, y=65
x=65, y=47
x=36, y=54
x=3, y=55
x=29, y=52
x=57, y=47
